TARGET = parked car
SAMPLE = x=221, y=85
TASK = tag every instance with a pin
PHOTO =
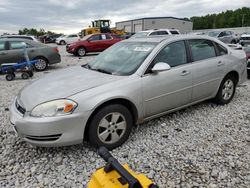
x=245, y=39
x=225, y=36
x=11, y=51
x=131, y=82
x=154, y=32
x=19, y=37
x=66, y=39
x=49, y=38
x=92, y=43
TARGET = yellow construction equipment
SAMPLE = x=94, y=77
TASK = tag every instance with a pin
x=101, y=26
x=115, y=175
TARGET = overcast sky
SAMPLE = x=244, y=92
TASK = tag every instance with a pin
x=69, y=16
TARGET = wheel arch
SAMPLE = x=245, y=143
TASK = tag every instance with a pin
x=122, y=101
x=235, y=74
x=81, y=46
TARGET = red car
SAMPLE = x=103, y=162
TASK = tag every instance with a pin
x=92, y=43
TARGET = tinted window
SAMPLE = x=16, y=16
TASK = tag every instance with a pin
x=108, y=37
x=162, y=32
x=153, y=33
x=221, y=49
x=174, y=32
x=2, y=46
x=94, y=37
x=174, y=54
x=222, y=34
x=201, y=49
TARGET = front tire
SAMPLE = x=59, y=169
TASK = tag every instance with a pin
x=110, y=127
x=227, y=90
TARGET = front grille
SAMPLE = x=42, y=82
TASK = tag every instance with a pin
x=20, y=108
x=245, y=38
x=44, y=138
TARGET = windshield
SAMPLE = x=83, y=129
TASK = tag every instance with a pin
x=123, y=58
x=213, y=33
x=141, y=34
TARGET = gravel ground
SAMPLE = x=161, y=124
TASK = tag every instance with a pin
x=202, y=146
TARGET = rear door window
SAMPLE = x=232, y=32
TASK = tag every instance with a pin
x=16, y=45
x=201, y=49
x=94, y=38
x=2, y=45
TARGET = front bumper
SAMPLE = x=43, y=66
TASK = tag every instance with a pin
x=49, y=131
x=70, y=49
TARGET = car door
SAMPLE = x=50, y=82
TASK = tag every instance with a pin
x=169, y=89
x=3, y=52
x=222, y=37
x=94, y=43
x=208, y=68
x=106, y=41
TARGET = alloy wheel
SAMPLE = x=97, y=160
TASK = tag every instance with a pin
x=111, y=128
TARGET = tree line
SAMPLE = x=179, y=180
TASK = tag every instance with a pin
x=237, y=18
x=34, y=32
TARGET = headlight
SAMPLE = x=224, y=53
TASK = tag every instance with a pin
x=58, y=107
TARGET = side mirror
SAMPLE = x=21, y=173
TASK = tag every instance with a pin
x=160, y=67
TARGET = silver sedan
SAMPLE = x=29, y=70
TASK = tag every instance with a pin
x=132, y=82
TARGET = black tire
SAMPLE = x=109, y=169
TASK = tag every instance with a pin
x=30, y=73
x=228, y=96
x=81, y=51
x=107, y=112
x=233, y=42
x=10, y=77
x=42, y=64
x=62, y=42
x=25, y=75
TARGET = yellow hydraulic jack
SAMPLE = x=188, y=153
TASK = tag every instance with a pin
x=115, y=175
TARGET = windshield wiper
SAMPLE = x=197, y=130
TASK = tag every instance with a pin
x=87, y=66
x=101, y=70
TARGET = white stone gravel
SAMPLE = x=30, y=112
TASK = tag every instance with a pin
x=205, y=145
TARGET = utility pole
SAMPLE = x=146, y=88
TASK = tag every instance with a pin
x=242, y=20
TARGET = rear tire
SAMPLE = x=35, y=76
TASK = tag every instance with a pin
x=227, y=90
x=42, y=64
x=62, y=42
x=110, y=126
x=81, y=51
x=25, y=75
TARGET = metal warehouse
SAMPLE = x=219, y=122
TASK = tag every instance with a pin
x=142, y=24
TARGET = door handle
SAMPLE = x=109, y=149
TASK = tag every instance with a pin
x=32, y=50
x=184, y=73
x=220, y=63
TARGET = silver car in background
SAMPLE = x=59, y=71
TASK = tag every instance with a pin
x=134, y=81
x=227, y=37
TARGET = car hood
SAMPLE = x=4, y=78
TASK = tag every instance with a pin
x=62, y=84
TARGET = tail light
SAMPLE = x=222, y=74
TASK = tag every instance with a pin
x=56, y=50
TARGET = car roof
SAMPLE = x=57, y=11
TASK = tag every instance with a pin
x=15, y=39
x=160, y=38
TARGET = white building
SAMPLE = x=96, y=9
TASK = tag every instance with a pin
x=143, y=24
